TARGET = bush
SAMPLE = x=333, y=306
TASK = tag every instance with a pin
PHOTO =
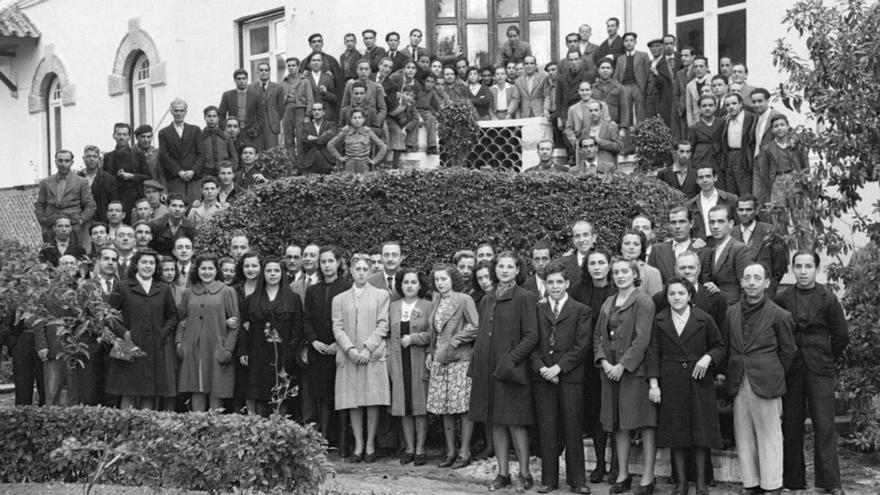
x=275, y=163
x=653, y=144
x=200, y=451
x=458, y=132
x=435, y=213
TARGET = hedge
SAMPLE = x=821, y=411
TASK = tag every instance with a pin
x=199, y=451
x=435, y=213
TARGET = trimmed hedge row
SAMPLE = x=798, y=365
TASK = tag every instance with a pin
x=203, y=451
x=435, y=213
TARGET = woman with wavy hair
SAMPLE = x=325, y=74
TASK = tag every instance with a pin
x=206, y=343
x=247, y=277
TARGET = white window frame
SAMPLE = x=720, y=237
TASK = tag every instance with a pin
x=140, y=79
x=53, y=122
x=277, y=47
x=710, y=13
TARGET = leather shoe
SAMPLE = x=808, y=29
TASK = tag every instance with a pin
x=546, y=488
x=370, y=458
x=597, y=475
x=448, y=462
x=612, y=476
x=463, y=462
x=836, y=491
x=527, y=482
x=646, y=489
x=499, y=482
x=406, y=458
x=356, y=458
x=420, y=460
x=623, y=486
x=581, y=489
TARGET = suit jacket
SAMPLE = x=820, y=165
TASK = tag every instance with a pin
x=516, y=53
x=563, y=340
x=689, y=187
x=229, y=108
x=727, y=272
x=533, y=103
x=821, y=335
x=531, y=283
x=662, y=258
x=375, y=99
x=747, y=143
x=419, y=51
x=327, y=97
x=331, y=65
x=765, y=355
x=178, y=153
x=641, y=68
x=692, y=101
x=316, y=151
x=103, y=192
x=695, y=205
x=482, y=101
x=75, y=200
x=163, y=238
x=512, y=100
x=660, y=98
x=768, y=249
x=683, y=76
x=271, y=104
x=374, y=56
x=50, y=254
x=399, y=59
x=576, y=117
x=618, y=100
x=614, y=48
x=378, y=280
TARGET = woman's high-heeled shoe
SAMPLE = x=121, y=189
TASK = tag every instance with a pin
x=449, y=461
x=622, y=486
x=646, y=489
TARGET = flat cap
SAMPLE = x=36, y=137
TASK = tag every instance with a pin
x=153, y=184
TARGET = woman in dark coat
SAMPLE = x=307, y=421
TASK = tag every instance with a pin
x=320, y=369
x=274, y=315
x=620, y=342
x=685, y=343
x=501, y=391
x=593, y=289
x=482, y=283
x=247, y=275
x=169, y=274
x=148, y=320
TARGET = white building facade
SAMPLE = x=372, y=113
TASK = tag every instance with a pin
x=70, y=69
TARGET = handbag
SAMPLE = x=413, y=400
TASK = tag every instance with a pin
x=507, y=371
x=125, y=350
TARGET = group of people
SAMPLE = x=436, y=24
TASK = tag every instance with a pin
x=591, y=342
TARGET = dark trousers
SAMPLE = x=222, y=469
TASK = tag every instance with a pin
x=87, y=383
x=561, y=411
x=27, y=369
x=808, y=390
x=735, y=178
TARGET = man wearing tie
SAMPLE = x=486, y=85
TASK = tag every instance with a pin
x=723, y=265
x=179, y=153
x=309, y=271
x=397, y=57
x=125, y=247
x=540, y=258
x=591, y=162
x=271, y=107
x=391, y=259
x=663, y=254
x=183, y=253
x=632, y=71
x=582, y=239
x=93, y=375
x=768, y=248
x=564, y=337
x=62, y=243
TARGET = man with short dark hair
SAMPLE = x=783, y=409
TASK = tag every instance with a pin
x=683, y=76
x=115, y=216
x=374, y=95
x=738, y=146
x=229, y=190
x=323, y=86
x=309, y=270
x=541, y=256
x=102, y=184
x=612, y=46
x=694, y=89
x=125, y=245
x=767, y=246
x=681, y=175
x=129, y=166
x=62, y=243
x=708, y=197
x=515, y=50
x=143, y=137
x=724, y=263
x=317, y=159
x=583, y=239
x=398, y=58
x=663, y=254
x=632, y=70
x=413, y=51
x=298, y=99
x=174, y=226
x=242, y=103
x=761, y=348
x=183, y=254
x=143, y=235
x=372, y=51
x=348, y=60
x=271, y=107
x=209, y=205
x=64, y=193
x=392, y=257
x=213, y=145
x=545, y=159
x=328, y=62
x=779, y=163
x=179, y=153
x=534, y=91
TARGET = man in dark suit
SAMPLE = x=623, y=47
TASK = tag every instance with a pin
x=62, y=243
x=328, y=62
x=661, y=82
x=687, y=265
x=323, y=86
x=103, y=185
x=129, y=166
x=271, y=104
x=821, y=334
x=663, y=254
x=391, y=259
x=613, y=46
x=125, y=246
x=398, y=58
x=540, y=258
x=179, y=152
x=724, y=263
x=317, y=159
x=683, y=76
x=243, y=103
x=680, y=175
x=708, y=197
x=761, y=348
x=737, y=147
x=372, y=52
x=768, y=248
x=632, y=70
x=413, y=51
x=564, y=337
x=172, y=227
x=582, y=239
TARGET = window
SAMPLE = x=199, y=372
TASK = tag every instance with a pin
x=479, y=27
x=715, y=28
x=264, y=40
x=141, y=102
x=53, y=121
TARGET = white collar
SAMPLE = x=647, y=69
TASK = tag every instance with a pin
x=561, y=301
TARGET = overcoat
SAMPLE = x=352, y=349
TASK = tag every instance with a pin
x=206, y=344
x=318, y=325
x=361, y=324
x=688, y=412
x=151, y=318
x=628, y=345
x=419, y=332
x=508, y=329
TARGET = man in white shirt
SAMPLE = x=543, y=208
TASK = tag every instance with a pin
x=125, y=244
x=309, y=271
x=391, y=258
x=723, y=265
x=582, y=238
x=708, y=197
x=183, y=253
x=664, y=254
x=701, y=78
x=540, y=259
x=737, y=144
x=761, y=104
x=505, y=96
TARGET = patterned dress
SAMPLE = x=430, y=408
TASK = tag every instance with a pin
x=449, y=388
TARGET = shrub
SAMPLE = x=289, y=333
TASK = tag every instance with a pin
x=435, y=213
x=199, y=451
x=458, y=132
x=275, y=163
x=653, y=144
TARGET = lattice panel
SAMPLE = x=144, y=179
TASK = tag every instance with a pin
x=17, y=219
x=497, y=147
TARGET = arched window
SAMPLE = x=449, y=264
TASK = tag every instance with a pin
x=141, y=103
x=53, y=121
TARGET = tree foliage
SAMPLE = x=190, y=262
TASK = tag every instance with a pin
x=653, y=144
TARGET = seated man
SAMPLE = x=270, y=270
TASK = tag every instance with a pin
x=427, y=106
x=62, y=242
x=589, y=160
x=317, y=159
x=545, y=160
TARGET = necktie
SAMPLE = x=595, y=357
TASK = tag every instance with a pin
x=392, y=54
x=556, y=308
x=747, y=235
x=264, y=87
x=390, y=281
